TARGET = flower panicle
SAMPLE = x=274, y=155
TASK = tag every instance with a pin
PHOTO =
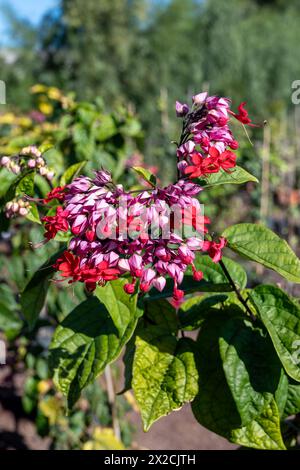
x=139, y=236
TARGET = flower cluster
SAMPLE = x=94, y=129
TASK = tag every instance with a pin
x=17, y=207
x=28, y=158
x=145, y=237
x=207, y=142
x=155, y=233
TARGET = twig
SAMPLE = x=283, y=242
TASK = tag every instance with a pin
x=112, y=401
x=236, y=290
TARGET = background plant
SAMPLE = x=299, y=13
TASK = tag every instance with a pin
x=241, y=373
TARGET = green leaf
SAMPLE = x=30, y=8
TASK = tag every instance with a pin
x=236, y=176
x=292, y=404
x=34, y=294
x=195, y=310
x=9, y=319
x=162, y=313
x=263, y=432
x=260, y=244
x=251, y=367
x=85, y=342
x=214, y=279
x=23, y=184
x=71, y=173
x=282, y=393
x=281, y=317
x=146, y=175
x=107, y=128
x=118, y=304
x=33, y=214
x=189, y=285
x=164, y=373
x=7, y=297
x=214, y=406
x=213, y=273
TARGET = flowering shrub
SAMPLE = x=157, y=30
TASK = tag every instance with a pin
x=153, y=271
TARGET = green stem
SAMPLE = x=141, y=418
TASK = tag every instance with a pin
x=236, y=290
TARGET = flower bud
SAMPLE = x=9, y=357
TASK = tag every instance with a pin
x=102, y=177
x=15, y=207
x=178, y=294
x=31, y=163
x=181, y=109
x=197, y=275
x=234, y=145
x=43, y=171
x=129, y=288
x=145, y=286
x=23, y=211
x=31, y=150
x=5, y=161
x=50, y=175
x=199, y=98
x=40, y=161
x=15, y=168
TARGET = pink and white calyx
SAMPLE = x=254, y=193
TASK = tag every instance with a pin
x=118, y=233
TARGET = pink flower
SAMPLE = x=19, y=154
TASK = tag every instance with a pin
x=181, y=109
x=200, y=98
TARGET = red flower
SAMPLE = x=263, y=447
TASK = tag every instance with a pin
x=100, y=274
x=214, y=249
x=56, y=193
x=69, y=266
x=225, y=160
x=56, y=223
x=201, y=166
x=243, y=115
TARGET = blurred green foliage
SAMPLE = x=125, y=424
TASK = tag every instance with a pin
x=149, y=53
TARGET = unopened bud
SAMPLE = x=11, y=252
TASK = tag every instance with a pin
x=40, y=161
x=5, y=161
x=50, y=175
x=31, y=150
x=15, y=169
x=23, y=211
x=200, y=98
x=43, y=171
x=15, y=207
x=31, y=163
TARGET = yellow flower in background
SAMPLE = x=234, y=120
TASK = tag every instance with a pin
x=46, y=108
x=54, y=94
x=38, y=88
x=24, y=121
x=7, y=118
x=44, y=386
x=103, y=439
x=51, y=407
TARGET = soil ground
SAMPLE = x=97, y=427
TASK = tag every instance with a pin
x=178, y=431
